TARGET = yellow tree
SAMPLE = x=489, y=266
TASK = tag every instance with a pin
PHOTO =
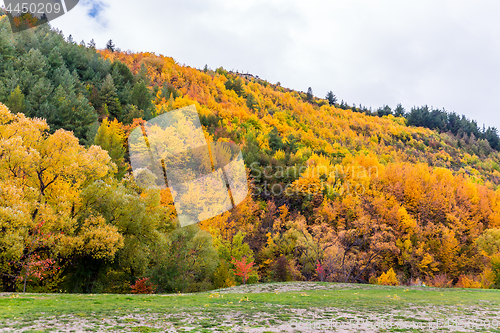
x=41, y=177
x=111, y=137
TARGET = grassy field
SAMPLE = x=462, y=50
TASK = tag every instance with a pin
x=276, y=307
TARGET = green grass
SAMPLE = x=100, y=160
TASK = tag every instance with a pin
x=227, y=311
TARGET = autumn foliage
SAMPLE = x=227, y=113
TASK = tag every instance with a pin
x=143, y=286
x=321, y=271
x=335, y=194
x=242, y=268
x=388, y=278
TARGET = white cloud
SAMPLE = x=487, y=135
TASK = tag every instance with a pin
x=442, y=53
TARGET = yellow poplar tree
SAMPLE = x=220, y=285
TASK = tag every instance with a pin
x=111, y=137
x=41, y=177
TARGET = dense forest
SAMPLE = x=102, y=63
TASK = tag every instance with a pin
x=336, y=194
x=440, y=120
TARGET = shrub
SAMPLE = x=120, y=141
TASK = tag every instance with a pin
x=185, y=257
x=196, y=287
x=468, y=281
x=280, y=270
x=439, y=281
x=373, y=280
x=222, y=277
x=416, y=282
x=143, y=286
x=116, y=282
x=488, y=278
x=388, y=279
x=495, y=265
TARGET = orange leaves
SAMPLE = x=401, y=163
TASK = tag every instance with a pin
x=406, y=187
x=406, y=221
x=220, y=226
x=31, y=263
x=426, y=265
x=468, y=281
x=129, y=128
x=305, y=186
x=243, y=268
x=143, y=286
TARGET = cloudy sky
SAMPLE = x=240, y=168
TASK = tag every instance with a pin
x=442, y=53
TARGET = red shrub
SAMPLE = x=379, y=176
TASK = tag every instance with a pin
x=143, y=286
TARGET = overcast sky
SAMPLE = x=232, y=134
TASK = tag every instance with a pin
x=442, y=53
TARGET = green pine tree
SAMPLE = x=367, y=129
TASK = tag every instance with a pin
x=399, y=111
x=73, y=113
x=110, y=46
x=309, y=94
x=16, y=101
x=331, y=98
x=141, y=97
x=109, y=96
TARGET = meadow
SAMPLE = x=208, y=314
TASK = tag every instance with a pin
x=272, y=307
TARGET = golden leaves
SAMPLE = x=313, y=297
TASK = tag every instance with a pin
x=41, y=178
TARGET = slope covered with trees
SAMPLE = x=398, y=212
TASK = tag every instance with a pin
x=335, y=194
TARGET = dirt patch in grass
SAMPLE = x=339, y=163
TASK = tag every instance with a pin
x=286, y=287
x=260, y=308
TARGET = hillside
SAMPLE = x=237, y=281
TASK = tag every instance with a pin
x=336, y=194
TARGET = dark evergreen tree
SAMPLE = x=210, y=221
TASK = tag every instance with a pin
x=235, y=84
x=142, y=75
x=7, y=49
x=384, y=111
x=331, y=98
x=55, y=61
x=491, y=134
x=399, y=111
x=343, y=105
x=62, y=77
x=168, y=91
x=72, y=113
x=3, y=92
x=38, y=99
x=91, y=44
x=252, y=102
x=309, y=94
x=125, y=72
x=453, y=123
x=29, y=68
x=109, y=98
x=122, y=88
x=110, y=46
x=141, y=97
x=131, y=112
x=275, y=140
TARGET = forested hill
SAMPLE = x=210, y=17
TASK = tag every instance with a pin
x=336, y=194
